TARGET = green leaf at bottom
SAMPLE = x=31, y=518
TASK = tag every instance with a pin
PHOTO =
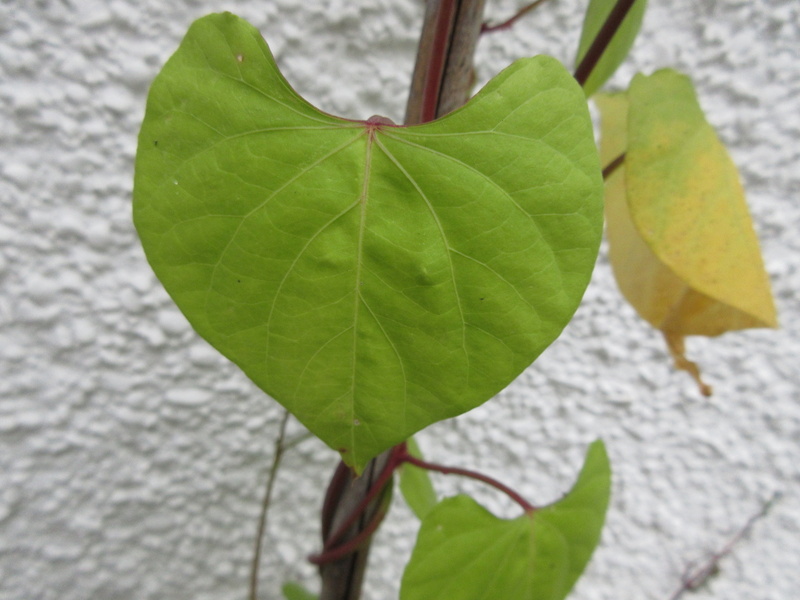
x=294, y=591
x=464, y=552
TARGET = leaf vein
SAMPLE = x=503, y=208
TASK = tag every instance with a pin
x=446, y=243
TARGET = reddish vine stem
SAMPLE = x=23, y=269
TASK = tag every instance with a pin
x=602, y=40
x=337, y=547
x=376, y=488
x=342, y=579
x=329, y=555
x=433, y=80
x=443, y=74
x=508, y=23
x=336, y=487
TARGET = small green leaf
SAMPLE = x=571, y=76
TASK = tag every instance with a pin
x=415, y=484
x=371, y=278
x=463, y=552
x=294, y=591
x=617, y=50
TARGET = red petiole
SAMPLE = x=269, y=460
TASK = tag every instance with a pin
x=526, y=506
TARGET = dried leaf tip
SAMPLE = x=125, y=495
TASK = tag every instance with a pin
x=677, y=349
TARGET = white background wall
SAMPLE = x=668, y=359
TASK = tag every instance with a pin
x=132, y=457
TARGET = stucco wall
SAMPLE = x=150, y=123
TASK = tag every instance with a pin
x=132, y=456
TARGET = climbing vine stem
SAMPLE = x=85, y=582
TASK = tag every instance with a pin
x=337, y=546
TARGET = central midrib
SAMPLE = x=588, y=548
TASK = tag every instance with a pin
x=357, y=291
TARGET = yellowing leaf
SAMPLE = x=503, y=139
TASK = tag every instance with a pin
x=682, y=244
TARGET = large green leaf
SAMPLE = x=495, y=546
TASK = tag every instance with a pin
x=371, y=278
x=463, y=552
x=621, y=43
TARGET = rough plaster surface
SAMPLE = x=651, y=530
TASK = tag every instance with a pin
x=132, y=457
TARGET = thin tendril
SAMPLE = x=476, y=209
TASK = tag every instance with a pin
x=262, y=521
x=487, y=28
x=695, y=578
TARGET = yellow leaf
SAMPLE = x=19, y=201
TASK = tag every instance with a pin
x=682, y=243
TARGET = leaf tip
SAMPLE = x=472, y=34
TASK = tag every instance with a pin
x=355, y=463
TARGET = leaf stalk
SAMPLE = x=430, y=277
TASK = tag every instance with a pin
x=603, y=39
x=526, y=506
x=611, y=167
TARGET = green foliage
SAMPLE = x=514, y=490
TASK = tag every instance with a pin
x=463, y=552
x=294, y=591
x=621, y=43
x=373, y=279
x=415, y=484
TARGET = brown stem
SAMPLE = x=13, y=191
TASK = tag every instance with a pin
x=338, y=552
x=426, y=85
x=342, y=579
x=603, y=39
x=280, y=448
x=615, y=164
x=336, y=488
x=379, y=483
x=694, y=578
x=443, y=74
x=441, y=83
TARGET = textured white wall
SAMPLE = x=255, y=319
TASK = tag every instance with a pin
x=132, y=457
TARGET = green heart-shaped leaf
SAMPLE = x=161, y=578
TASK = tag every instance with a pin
x=371, y=278
x=464, y=552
